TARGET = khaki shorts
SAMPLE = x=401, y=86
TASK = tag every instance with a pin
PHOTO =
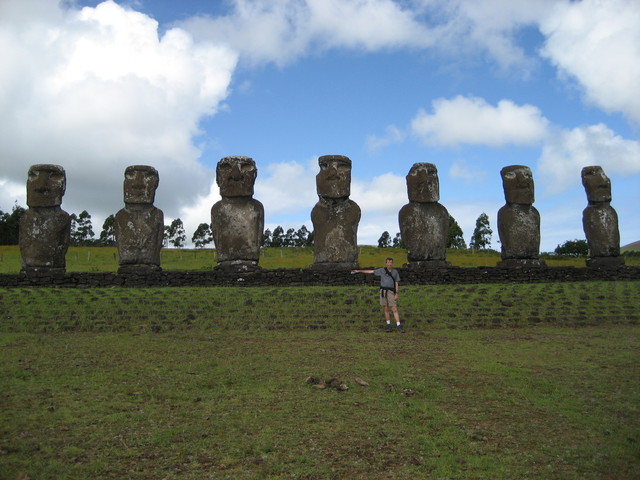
x=387, y=298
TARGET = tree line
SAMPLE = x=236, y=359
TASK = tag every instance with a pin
x=82, y=234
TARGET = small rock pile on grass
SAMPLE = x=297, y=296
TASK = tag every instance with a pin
x=319, y=383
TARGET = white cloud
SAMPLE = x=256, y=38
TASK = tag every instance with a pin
x=459, y=170
x=392, y=135
x=287, y=187
x=566, y=152
x=280, y=32
x=385, y=193
x=489, y=26
x=598, y=44
x=97, y=89
x=472, y=120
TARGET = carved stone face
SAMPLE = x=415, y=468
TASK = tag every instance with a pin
x=236, y=176
x=140, y=184
x=334, y=178
x=422, y=183
x=517, y=181
x=596, y=184
x=45, y=185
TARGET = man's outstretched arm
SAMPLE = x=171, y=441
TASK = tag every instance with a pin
x=361, y=271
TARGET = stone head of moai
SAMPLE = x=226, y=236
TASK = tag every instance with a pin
x=140, y=184
x=334, y=178
x=46, y=185
x=517, y=181
x=236, y=176
x=596, y=184
x=423, y=185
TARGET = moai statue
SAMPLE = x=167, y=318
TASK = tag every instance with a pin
x=600, y=220
x=45, y=228
x=237, y=220
x=139, y=226
x=424, y=223
x=335, y=217
x=519, y=220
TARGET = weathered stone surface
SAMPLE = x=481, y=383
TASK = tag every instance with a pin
x=237, y=220
x=335, y=217
x=423, y=184
x=519, y=220
x=605, y=262
x=424, y=223
x=237, y=225
x=139, y=226
x=312, y=277
x=600, y=220
x=44, y=228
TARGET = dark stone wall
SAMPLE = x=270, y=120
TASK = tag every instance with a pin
x=308, y=277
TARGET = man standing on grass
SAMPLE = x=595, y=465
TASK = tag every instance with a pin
x=389, y=283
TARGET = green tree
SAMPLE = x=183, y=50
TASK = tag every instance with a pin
x=108, y=233
x=481, y=238
x=175, y=234
x=455, y=238
x=10, y=225
x=302, y=237
x=202, y=236
x=81, y=229
x=385, y=240
x=277, y=237
x=397, y=241
x=574, y=248
x=289, y=238
x=266, y=238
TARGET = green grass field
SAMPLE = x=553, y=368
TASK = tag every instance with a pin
x=105, y=259
x=508, y=381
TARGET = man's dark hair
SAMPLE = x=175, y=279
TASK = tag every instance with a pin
x=388, y=258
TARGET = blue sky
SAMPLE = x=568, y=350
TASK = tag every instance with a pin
x=471, y=86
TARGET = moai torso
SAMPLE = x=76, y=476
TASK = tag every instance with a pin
x=600, y=220
x=335, y=217
x=600, y=224
x=519, y=230
x=139, y=226
x=335, y=233
x=45, y=228
x=424, y=223
x=237, y=227
x=237, y=220
x=519, y=220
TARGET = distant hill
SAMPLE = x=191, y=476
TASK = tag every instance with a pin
x=631, y=247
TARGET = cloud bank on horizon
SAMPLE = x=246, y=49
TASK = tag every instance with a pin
x=97, y=86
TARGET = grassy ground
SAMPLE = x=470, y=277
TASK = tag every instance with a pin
x=105, y=259
x=502, y=381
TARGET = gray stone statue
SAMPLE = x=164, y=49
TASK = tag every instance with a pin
x=237, y=220
x=45, y=228
x=519, y=220
x=424, y=223
x=600, y=220
x=335, y=217
x=139, y=226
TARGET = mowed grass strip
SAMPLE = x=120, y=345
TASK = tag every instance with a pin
x=422, y=307
x=490, y=381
